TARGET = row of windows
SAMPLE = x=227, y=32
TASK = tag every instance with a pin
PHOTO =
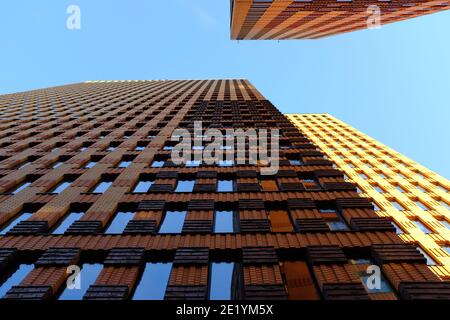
x=151, y=286
x=154, y=279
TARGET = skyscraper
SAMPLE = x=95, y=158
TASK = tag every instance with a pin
x=414, y=197
x=313, y=19
x=89, y=186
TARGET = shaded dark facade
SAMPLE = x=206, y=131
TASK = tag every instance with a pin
x=86, y=179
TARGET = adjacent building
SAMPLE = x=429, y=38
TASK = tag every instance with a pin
x=415, y=198
x=88, y=187
x=314, y=19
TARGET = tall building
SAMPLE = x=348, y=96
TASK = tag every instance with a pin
x=313, y=19
x=414, y=197
x=89, y=187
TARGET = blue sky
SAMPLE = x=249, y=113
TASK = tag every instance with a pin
x=392, y=84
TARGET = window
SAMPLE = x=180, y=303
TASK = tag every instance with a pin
x=124, y=164
x=397, y=205
x=193, y=163
x=294, y=162
x=337, y=225
x=400, y=189
x=223, y=222
x=384, y=285
x=226, y=163
x=269, y=185
x=90, y=165
x=120, y=222
x=22, y=217
x=430, y=261
x=379, y=190
x=57, y=164
x=398, y=230
x=67, y=222
x=447, y=249
x=225, y=186
x=15, y=278
x=88, y=275
x=327, y=211
x=102, y=187
x=173, y=222
x=139, y=148
x=110, y=149
x=445, y=223
x=61, y=187
x=444, y=204
x=143, y=186
x=279, y=221
x=21, y=187
x=421, y=205
x=168, y=148
x=185, y=186
x=422, y=227
x=153, y=283
x=221, y=281
x=157, y=164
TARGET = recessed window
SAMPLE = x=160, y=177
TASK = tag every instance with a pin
x=221, y=281
x=383, y=288
x=90, y=164
x=67, y=222
x=22, y=217
x=157, y=164
x=192, y=164
x=185, y=186
x=337, y=225
x=223, y=222
x=397, y=206
x=430, y=261
x=120, y=222
x=173, y=222
x=422, y=227
x=445, y=223
x=378, y=189
x=225, y=186
x=398, y=230
x=21, y=187
x=124, y=164
x=143, y=186
x=421, y=205
x=88, y=275
x=57, y=164
x=153, y=283
x=101, y=187
x=295, y=162
x=226, y=163
x=16, y=278
x=139, y=148
x=61, y=187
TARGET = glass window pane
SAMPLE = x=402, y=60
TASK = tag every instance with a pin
x=153, y=283
x=67, y=222
x=143, y=186
x=422, y=227
x=15, y=278
x=21, y=187
x=22, y=217
x=223, y=222
x=88, y=275
x=158, y=164
x=185, y=186
x=221, y=281
x=225, y=186
x=90, y=165
x=124, y=164
x=61, y=187
x=102, y=187
x=173, y=222
x=120, y=222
